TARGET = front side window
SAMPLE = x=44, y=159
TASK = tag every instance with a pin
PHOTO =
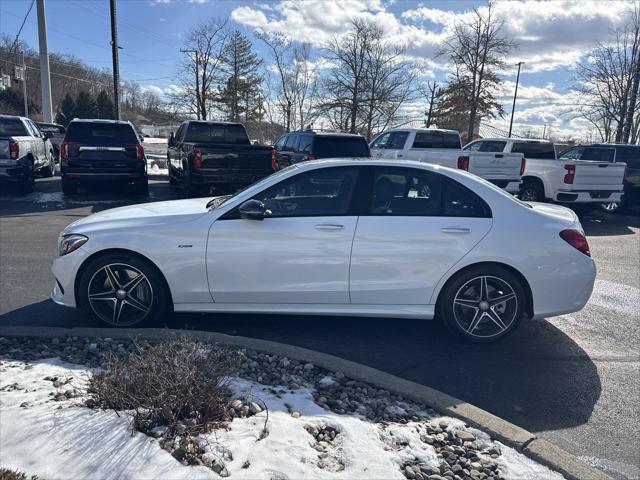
x=473, y=147
x=391, y=141
x=402, y=191
x=280, y=143
x=381, y=142
x=322, y=192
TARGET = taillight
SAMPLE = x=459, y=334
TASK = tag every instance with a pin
x=571, y=173
x=463, y=163
x=523, y=165
x=577, y=240
x=14, y=149
x=274, y=159
x=311, y=156
x=66, y=150
x=197, y=158
x=139, y=150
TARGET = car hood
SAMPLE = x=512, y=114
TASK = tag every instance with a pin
x=173, y=211
x=557, y=212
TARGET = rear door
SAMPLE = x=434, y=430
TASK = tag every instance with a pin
x=390, y=144
x=417, y=225
x=103, y=147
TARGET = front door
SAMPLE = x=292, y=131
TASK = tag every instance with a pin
x=418, y=226
x=298, y=254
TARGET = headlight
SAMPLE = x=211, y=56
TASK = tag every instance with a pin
x=72, y=242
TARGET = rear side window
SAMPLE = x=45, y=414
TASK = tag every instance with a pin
x=343, y=146
x=459, y=202
x=437, y=140
x=12, y=127
x=405, y=192
x=220, y=133
x=535, y=150
x=101, y=134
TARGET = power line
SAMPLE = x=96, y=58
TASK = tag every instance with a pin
x=22, y=26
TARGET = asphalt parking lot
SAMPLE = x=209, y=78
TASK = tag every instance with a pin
x=574, y=379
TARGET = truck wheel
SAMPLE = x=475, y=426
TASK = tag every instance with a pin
x=531, y=191
x=142, y=187
x=69, y=187
x=50, y=169
x=28, y=183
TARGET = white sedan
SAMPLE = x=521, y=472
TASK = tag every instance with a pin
x=382, y=238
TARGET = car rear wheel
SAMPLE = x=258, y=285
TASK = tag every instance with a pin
x=28, y=183
x=122, y=291
x=69, y=187
x=483, y=304
x=50, y=169
x=531, y=192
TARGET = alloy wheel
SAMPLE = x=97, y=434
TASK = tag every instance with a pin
x=485, y=306
x=120, y=294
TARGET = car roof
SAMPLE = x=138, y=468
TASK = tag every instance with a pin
x=519, y=140
x=608, y=145
x=437, y=130
x=325, y=134
x=214, y=122
x=101, y=120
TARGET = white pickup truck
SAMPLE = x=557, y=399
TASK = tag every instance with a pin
x=565, y=179
x=443, y=147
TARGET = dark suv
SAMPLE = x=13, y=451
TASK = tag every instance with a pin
x=613, y=152
x=297, y=147
x=102, y=151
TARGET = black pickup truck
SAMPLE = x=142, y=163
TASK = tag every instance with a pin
x=215, y=157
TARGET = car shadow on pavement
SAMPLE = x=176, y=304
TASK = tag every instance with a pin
x=538, y=378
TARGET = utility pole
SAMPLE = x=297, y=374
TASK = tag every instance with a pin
x=433, y=93
x=116, y=61
x=24, y=86
x=515, y=95
x=197, y=81
x=45, y=77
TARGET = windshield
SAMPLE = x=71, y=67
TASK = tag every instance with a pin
x=213, y=203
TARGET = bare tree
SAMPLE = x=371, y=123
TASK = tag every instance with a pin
x=201, y=68
x=296, y=80
x=477, y=49
x=608, y=81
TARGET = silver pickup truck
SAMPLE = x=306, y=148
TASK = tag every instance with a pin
x=24, y=152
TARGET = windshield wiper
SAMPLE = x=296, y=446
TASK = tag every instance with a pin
x=217, y=201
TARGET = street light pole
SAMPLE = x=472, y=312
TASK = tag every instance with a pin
x=24, y=86
x=116, y=61
x=515, y=95
x=45, y=77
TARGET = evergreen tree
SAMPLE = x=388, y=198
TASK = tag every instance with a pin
x=85, y=106
x=240, y=92
x=104, y=105
x=67, y=111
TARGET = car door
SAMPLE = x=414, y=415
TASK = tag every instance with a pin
x=419, y=224
x=38, y=146
x=298, y=254
x=390, y=144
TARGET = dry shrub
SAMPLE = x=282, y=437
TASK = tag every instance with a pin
x=8, y=474
x=179, y=383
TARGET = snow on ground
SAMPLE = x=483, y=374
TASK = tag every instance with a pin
x=61, y=439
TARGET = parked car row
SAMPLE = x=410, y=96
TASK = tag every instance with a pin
x=217, y=158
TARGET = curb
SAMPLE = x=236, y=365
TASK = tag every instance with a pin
x=518, y=438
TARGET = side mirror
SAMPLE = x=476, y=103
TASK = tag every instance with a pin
x=47, y=135
x=252, y=210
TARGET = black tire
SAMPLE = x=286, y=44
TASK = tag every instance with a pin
x=172, y=179
x=151, y=291
x=49, y=170
x=69, y=187
x=531, y=191
x=28, y=183
x=458, y=308
x=142, y=187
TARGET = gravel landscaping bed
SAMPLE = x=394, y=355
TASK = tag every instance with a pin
x=421, y=444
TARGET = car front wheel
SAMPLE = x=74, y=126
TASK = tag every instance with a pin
x=122, y=291
x=483, y=304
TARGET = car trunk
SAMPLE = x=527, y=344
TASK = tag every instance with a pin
x=591, y=175
x=491, y=165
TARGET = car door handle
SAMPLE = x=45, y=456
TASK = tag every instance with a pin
x=455, y=230
x=329, y=226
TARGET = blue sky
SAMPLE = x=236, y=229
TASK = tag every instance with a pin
x=553, y=36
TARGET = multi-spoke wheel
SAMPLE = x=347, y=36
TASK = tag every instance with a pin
x=483, y=304
x=122, y=291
